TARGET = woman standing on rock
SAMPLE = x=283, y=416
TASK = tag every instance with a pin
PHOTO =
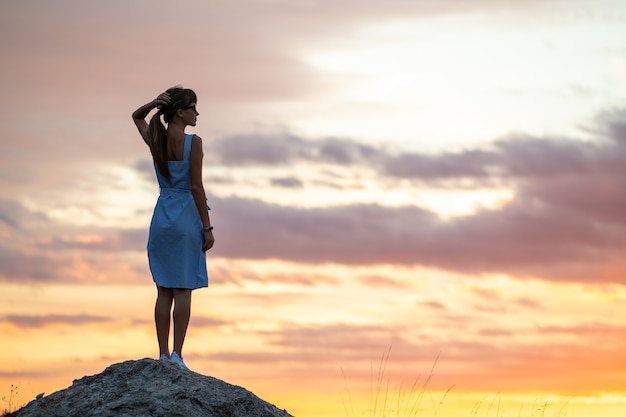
x=180, y=230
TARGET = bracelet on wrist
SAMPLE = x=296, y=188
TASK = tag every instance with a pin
x=207, y=228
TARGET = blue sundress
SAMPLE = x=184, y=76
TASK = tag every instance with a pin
x=175, y=241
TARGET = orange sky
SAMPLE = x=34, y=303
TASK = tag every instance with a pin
x=439, y=182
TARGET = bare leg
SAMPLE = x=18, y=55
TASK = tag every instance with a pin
x=162, y=310
x=182, y=311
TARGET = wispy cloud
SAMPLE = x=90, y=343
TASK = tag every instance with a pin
x=38, y=321
x=490, y=361
x=564, y=222
x=204, y=321
x=18, y=265
x=517, y=158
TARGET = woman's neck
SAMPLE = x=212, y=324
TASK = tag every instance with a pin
x=176, y=126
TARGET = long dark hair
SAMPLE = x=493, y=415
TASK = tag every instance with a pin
x=179, y=99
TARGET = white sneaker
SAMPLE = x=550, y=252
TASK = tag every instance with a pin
x=178, y=361
x=164, y=358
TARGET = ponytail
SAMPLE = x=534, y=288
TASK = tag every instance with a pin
x=158, y=144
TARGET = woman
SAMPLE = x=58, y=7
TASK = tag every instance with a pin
x=180, y=230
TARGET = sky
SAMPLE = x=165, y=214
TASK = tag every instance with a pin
x=418, y=205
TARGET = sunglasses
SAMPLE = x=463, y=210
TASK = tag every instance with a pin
x=193, y=106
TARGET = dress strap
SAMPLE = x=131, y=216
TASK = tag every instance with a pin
x=187, y=147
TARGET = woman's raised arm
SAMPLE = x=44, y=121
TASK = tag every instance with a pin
x=139, y=115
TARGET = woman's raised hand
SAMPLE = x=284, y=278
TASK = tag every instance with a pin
x=162, y=100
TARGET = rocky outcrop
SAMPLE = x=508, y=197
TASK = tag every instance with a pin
x=150, y=388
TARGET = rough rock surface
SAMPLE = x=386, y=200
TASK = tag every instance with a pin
x=150, y=388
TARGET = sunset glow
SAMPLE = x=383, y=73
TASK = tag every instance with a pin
x=417, y=205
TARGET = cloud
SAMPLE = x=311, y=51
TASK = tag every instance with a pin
x=204, y=321
x=13, y=215
x=21, y=375
x=585, y=331
x=519, y=239
x=39, y=321
x=490, y=363
x=123, y=240
x=469, y=164
x=240, y=150
x=285, y=148
x=17, y=265
x=487, y=294
x=10, y=213
x=528, y=303
x=79, y=255
x=257, y=229
x=434, y=305
x=287, y=182
x=496, y=332
x=381, y=281
x=565, y=221
x=518, y=157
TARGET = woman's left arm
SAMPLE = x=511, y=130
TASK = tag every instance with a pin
x=197, y=190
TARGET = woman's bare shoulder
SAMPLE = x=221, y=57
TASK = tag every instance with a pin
x=196, y=141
